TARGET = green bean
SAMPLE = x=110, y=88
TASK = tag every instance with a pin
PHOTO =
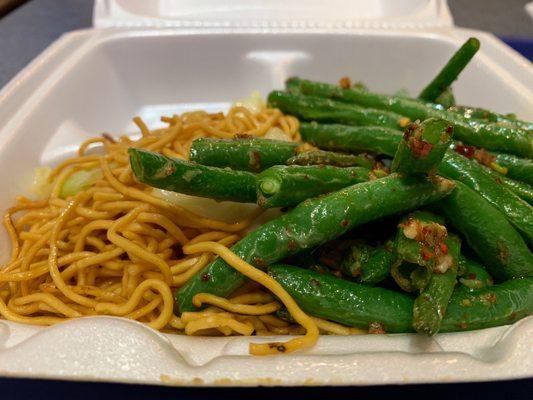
x=247, y=154
x=319, y=109
x=446, y=99
x=509, y=167
x=492, y=306
x=488, y=233
x=453, y=166
x=321, y=157
x=517, y=168
x=351, y=138
x=286, y=186
x=314, y=222
x=475, y=276
x=419, y=238
x=497, y=305
x=517, y=211
x=367, y=264
x=410, y=277
x=345, y=302
x=430, y=306
x=450, y=71
x=489, y=116
x=422, y=147
x=182, y=176
x=521, y=189
x=478, y=133
x=421, y=248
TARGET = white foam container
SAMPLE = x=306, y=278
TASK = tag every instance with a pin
x=151, y=58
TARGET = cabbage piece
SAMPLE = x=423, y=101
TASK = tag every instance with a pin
x=41, y=188
x=254, y=103
x=275, y=133
x=224, y=211
x=78, y=181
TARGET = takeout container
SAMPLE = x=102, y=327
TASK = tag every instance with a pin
x=161, y=57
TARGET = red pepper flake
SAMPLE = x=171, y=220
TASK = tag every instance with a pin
x=463, y=325
x=464, y=150
x=205, y=277
x=426, y=254
x=420, y=148
x=443, y=248
x=344, y=223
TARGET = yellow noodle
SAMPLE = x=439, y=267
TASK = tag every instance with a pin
x=264, y=279
x=129, y=306
x=260, y=309
x=217, y=321
x=337, y=329
x=50, y=300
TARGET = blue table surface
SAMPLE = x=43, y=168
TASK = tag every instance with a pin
x=28, y=30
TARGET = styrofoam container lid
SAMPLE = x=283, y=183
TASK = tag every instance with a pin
x=272, y=13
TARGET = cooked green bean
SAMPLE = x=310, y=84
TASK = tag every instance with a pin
x=478, y=133
x=489, y=116
x=475, y=276
x=496, y=305
x=418, y=240
x=321, y=157
x=446, y=99
x=430, y=306
x=450, y=71
x=247, y=154
x=488, y=233
x=422, y=146
x=314, y=222
x=517, y=211
x=453, y=166
x=367, y=264
x=332, y=298
x=351, y=138
x=348, y=303
x=182, y=176
x=521, y=189
x=319, y=109
x=289, y=185
x=520, y=169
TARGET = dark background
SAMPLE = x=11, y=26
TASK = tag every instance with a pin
x=28, y=27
